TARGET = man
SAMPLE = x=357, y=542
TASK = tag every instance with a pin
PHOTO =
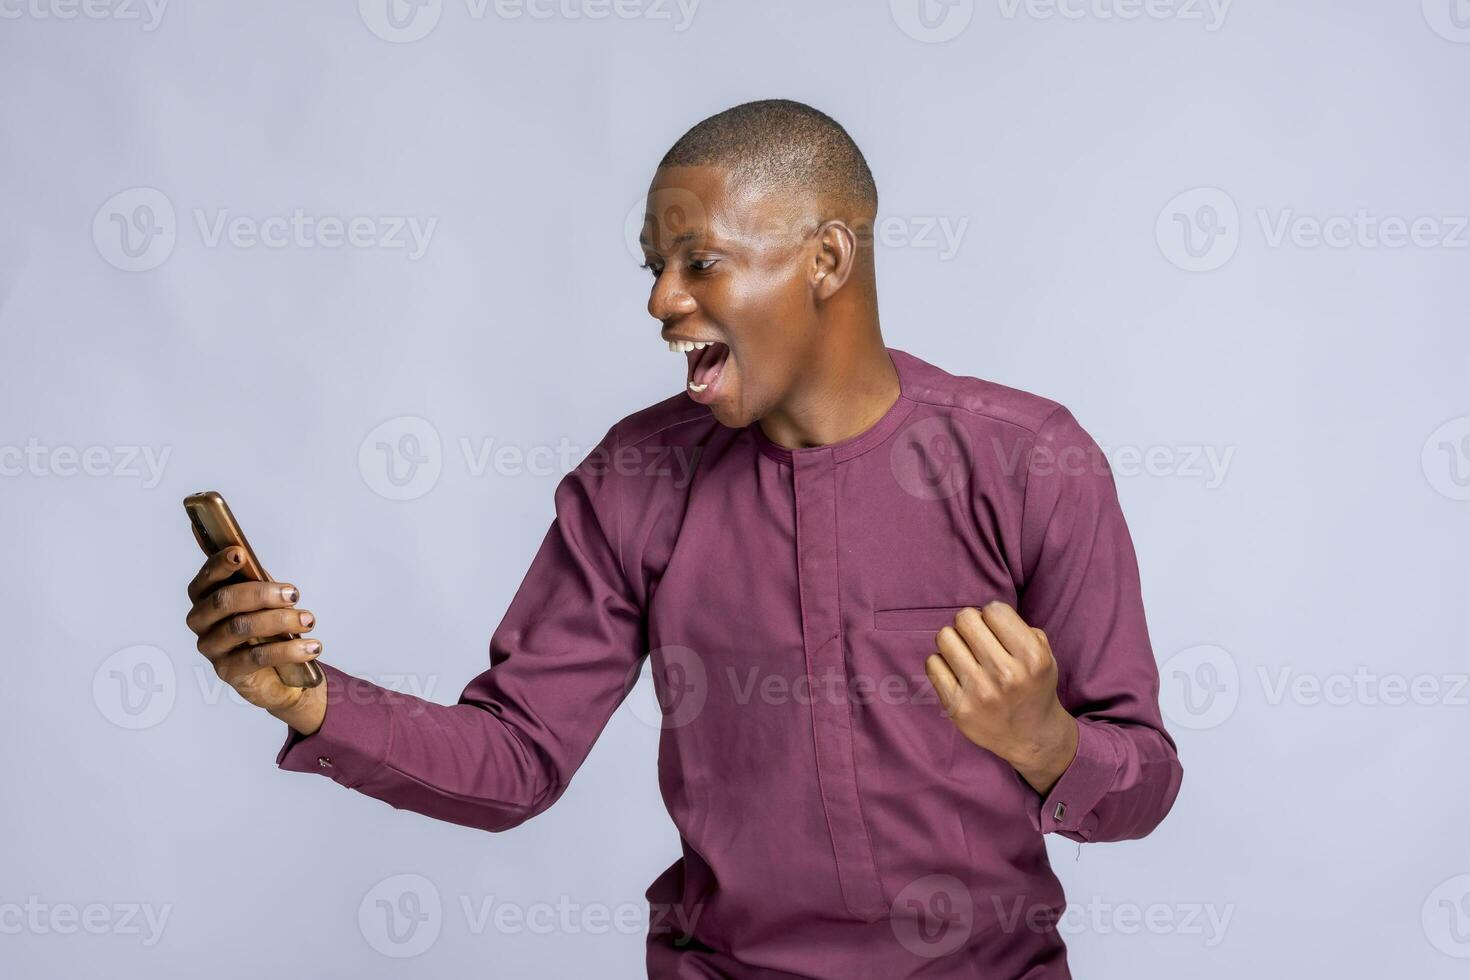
x=894, y=613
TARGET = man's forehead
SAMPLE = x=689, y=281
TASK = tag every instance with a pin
x=717, y=208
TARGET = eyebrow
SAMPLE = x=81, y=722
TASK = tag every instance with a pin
x=679, y=239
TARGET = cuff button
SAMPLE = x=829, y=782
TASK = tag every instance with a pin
x=1059, y=812
x=324, y=762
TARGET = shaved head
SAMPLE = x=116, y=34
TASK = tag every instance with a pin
x=785, y=147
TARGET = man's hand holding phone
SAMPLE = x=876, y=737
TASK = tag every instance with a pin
x=233, y=622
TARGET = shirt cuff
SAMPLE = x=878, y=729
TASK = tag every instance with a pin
x=1068, y=807
x=355, y=735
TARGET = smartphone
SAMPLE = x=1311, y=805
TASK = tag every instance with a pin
x=215, y=529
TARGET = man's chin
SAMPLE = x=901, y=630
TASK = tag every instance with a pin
x=727, y=411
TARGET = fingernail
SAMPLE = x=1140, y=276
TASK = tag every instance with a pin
x=235, y=558
x=307, y=619
x=313, y=648
x=290, y=594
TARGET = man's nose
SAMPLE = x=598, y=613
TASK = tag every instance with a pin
x=669, y=300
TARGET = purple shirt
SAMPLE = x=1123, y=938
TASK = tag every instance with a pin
x=834, y=821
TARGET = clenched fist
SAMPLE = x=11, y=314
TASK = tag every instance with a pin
x=997, y=680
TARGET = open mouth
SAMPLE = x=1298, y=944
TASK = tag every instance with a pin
x=706, y=360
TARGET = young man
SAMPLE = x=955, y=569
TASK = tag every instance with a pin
x=894, y=613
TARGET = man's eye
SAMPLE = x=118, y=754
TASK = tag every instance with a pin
x=702, y=265
x=651, y=268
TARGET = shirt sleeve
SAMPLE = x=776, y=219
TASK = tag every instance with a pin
x=563, y=658
x=1081, y=588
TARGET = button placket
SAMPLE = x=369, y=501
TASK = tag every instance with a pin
x=815, y=489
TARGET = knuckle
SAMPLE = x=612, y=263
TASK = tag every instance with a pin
x=219, y=600
x=238, y=625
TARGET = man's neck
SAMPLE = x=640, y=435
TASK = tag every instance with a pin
x=846, y=396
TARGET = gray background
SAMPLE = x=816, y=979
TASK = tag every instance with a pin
x=1305, y=592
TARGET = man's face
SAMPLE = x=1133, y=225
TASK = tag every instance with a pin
x=735, y=267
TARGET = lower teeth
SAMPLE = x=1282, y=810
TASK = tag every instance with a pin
x=695, y=387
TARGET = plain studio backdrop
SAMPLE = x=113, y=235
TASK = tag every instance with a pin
x=366, y=269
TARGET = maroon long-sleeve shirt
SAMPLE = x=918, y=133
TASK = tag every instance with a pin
x=834, y=822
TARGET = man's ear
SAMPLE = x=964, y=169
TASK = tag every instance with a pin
x=832, y=264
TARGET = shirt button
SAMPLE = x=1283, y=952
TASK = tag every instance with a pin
x=1059, y=812
x=324, y=762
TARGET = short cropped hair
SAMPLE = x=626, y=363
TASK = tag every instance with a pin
x=780, y=144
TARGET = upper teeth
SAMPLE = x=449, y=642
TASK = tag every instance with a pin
x=688, y=345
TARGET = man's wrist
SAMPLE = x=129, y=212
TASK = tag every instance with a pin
x=1044, y=762
x=306, y=715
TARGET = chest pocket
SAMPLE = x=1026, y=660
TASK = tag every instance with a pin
x=927, y=619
